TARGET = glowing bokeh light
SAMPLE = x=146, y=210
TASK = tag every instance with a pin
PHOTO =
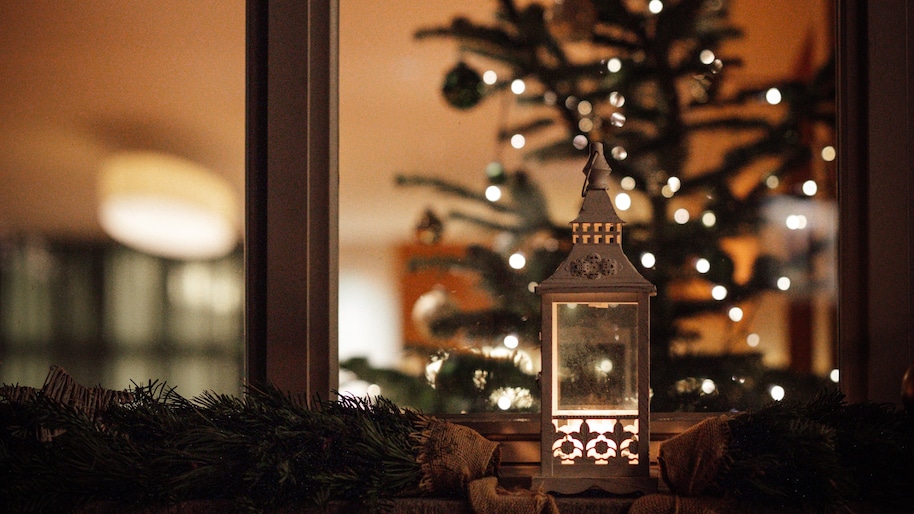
x=719, y=292
x=708, y=386
x=623, y=201
x=490, y=77
x=773, y=96
x=783, y=283
x=810, y=188
x=517, y=261
x=648, y=260
x=753, y=340
x=681, y=216
x=708, y=219
x=614, y=65
x=777, y=393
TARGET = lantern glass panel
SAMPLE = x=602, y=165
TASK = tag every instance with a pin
x=595, y=368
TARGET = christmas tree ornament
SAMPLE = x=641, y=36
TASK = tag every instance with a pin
x=431, y=306
x=572, y=20
x=595, y=349
x=429, y=228
x=495, y=172
x=463, y=86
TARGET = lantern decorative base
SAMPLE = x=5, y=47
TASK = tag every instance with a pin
x=614, y=485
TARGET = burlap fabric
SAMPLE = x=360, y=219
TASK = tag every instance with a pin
x=487, y=497
x=62, y=388
x=451, y=456
x=457, y=460
x=689, y=463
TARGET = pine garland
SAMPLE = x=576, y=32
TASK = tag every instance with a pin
x=818, y=456
x=822, y=453
x=264, y=451
x=270, y=450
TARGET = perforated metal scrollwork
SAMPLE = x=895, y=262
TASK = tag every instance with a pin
x=594, y=266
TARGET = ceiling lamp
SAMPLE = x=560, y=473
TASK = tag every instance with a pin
x=167, y=206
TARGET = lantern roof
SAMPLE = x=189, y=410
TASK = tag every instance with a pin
x=596, y=262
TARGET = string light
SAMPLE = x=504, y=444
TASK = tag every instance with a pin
x=579, y=141
x=623, y=201
x=706, y=56
x=517, y=261
x=708, y=386
x=708, y=219
x=719, y=292
x=667, y=191
x=753, y=340
x=585, y=125
x=655, y=6
x=518, y=86
x=773, y=96
x=674, y=184
x=702, y=265
x=648, y=260
x=736, y=314
x=772, y=181
x=810, y=188
x=490, y=77
x=614, y=65
x=783, y=283
x=829, y=153
x=493, y=193
x=616, y=99
x=619, y=153
x=518, y=141
x=627, y=183
x=796, y=222
x=511, y=341
x=834, y=375
x=585, y=108
x=617, y=119
x=681, y=216
x=777, y=393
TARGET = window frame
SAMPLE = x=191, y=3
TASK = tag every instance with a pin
x=292, y=182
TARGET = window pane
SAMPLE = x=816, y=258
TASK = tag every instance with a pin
x=84, y=84
x=722, y=151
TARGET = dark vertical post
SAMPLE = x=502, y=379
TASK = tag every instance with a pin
x=292, y=181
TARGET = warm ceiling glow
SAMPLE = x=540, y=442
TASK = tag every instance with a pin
x=167, y=206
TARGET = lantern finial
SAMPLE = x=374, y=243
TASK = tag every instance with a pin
x=596, y=170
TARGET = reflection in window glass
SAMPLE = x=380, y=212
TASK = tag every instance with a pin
x=722, y=148
x=112, y=316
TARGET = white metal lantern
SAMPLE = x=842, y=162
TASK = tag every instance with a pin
x=595, y=346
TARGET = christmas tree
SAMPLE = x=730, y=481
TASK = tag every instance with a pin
x=649, y=80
